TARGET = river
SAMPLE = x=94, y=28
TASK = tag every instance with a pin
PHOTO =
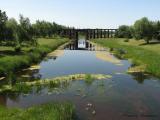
x=122, y=97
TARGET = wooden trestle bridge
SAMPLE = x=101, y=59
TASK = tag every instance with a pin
x=89, y=33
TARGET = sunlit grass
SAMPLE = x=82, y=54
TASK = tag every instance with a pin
x=147, y=55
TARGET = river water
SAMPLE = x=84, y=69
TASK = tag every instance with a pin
x=122, y=97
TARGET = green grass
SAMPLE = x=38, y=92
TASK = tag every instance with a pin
x=137, y=51
x=11, y=61
x=51, y=111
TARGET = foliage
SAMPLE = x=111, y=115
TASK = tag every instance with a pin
x=45, y=29
x=23, y=33
x=11, y=32
x=126, y=40
x=142, y=29
x=157, y=27
x=3, y=19
x=124, y=32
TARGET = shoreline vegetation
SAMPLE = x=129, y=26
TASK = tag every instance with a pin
x=144, y=57
x=26, y=86
x=49, y=111
x=14, y=61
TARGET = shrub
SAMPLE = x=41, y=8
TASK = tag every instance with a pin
x=17, y=48
x=126, y=40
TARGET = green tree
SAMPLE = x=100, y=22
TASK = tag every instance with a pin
x=25, y=31
x=124, y=31
x=143, y=29
x=157, y=27
x=12, y=31
x=44, y=29
x=3, y=19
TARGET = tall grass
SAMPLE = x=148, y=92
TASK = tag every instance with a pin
x=138, y=54
x=89, y=79
x=51, y=111
x=12, y=63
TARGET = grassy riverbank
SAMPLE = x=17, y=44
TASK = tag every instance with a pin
x=140, y=54
x=11, y=61
x=51, y=111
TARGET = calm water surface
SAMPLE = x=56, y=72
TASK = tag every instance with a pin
x=123, y=97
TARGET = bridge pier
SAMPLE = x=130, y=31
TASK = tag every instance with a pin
x=104, y=33
x=97, y=33
x=101, y=33
x=87, y=35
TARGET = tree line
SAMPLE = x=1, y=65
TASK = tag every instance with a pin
x=141, y=29
x=23, y=32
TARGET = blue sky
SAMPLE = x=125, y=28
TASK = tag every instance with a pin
x=84, y=13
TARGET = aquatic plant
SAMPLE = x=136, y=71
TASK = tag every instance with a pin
x=89, y=79
x=27, y=86
x=22, y=87
x=54, y=84
x=11, y=78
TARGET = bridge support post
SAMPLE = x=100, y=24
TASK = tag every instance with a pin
x=94, y=33
x=87, y=35
x=104, y=33
x=101, y=33
x=108, y=33
x=91, y=34
x=111, y=34
x=97, y=33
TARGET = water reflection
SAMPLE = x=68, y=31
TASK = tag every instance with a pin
x=140, y=77
x=83, y=45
